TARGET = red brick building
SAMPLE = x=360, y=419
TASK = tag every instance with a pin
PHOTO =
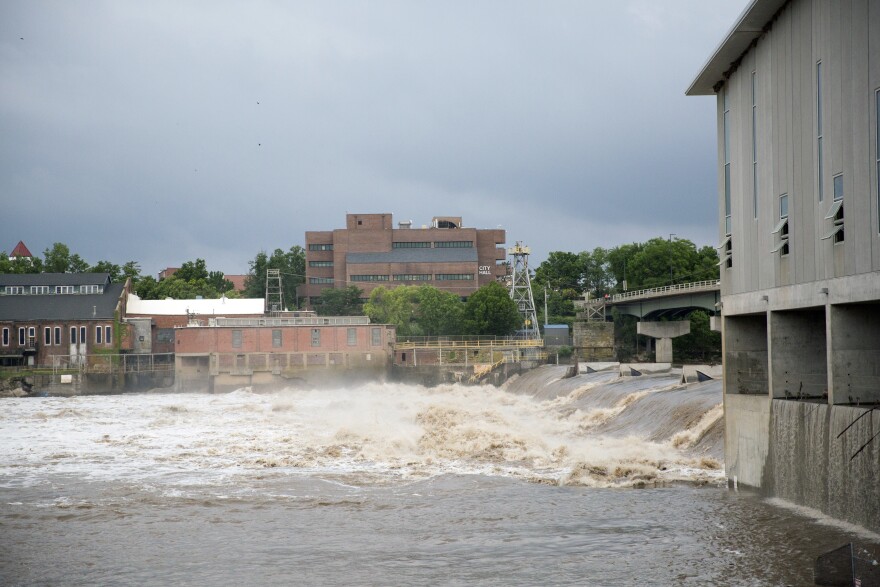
x=235, y=352
x=369, y=252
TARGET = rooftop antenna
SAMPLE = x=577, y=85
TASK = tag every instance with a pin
x=274, y=293
x=521, y=290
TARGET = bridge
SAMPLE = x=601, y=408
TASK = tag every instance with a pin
x=671, y=303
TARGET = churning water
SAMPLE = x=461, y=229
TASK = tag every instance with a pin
x=591, y=480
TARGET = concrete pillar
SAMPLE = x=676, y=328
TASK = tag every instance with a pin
x=664, y=332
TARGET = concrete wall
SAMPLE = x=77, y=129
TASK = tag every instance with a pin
x=593, y=341
x=855, y=353
x=746, y=366
x=746, y=437
x=798, y=356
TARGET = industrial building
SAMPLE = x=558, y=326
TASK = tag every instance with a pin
x=797, y=85
x=369, y=252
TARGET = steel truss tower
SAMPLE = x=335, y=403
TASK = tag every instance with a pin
x=274, y=293
x=521, y=290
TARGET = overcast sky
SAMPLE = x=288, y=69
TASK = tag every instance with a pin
x=165, y=131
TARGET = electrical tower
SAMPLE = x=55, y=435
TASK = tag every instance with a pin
x=521, y=290
x=274, y=293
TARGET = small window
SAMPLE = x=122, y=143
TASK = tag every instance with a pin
x=73, y=335
x=5, y=337
x=21, y=336
x=32, y=332
x=108, y=336
x=783, y=206
x=98, y=334
x=316, y=337
x=82, y=335
x=276, y=339
x=838, y=187
x=352, y=337
x=376, y=336
x=47, y=336
x=236, y=339
x=57, y=336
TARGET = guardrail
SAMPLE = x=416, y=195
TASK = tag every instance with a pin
x=443, y=342
x=654, y=292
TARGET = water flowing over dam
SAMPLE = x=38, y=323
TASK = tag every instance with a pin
x=596, y=478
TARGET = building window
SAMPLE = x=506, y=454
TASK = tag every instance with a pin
x=726, y=123
x=453, y=244
x=316, y=337
x=321, y=247
x=369, y=278
x=57, y=336
x=820, y=174
x=320, y=263
x=32, y=334
x=73, y=335
x=64, y=289
x=316, y=280
x=412, y=245
x=21, y=337
x=236, y=339
x=82, y=335
x=276, y=339
x=412, y=277
x=47, y=335
x=376, y=334
x=5, y=337
x=352, y=337
x=454, y=276
x=754, y=146
x=781, y=229
x=14, y=290
x=108, y=336
x=98, y=334
x=835, y=214
x=91, y=289
x=39, y=289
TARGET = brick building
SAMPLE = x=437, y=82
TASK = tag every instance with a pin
x=48, y=317
x=228, y=353
x=369, y=252
x=153, y=321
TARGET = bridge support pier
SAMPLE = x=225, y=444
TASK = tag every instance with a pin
x=664, y=332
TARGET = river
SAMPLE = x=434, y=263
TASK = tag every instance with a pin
x=591, y=480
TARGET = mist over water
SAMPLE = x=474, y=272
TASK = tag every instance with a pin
x=385, y=484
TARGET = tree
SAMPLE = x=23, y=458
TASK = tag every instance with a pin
x=439, y=312
x=395, y=306
x=343, y=301
x=20, y=264
x=218, y=281
x=665, y=262
x=489, y=310
x=702, y=343
x=57, y=259
x=107, y=267
x=192, y=270
x=292, y=266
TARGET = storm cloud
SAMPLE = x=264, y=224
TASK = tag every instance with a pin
x=166, y=131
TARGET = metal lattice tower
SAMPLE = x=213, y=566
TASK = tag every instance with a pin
x=274, y=293
x=521, y=289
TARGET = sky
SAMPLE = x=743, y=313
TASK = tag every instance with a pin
x=166, y=131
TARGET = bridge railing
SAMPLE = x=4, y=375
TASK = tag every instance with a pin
x=654, y=292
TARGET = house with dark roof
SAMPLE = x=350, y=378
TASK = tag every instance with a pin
x=52, y=318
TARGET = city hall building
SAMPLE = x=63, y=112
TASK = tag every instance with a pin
x=369, y=252
x=797, y=87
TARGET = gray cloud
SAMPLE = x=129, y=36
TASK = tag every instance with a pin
x=165, y=131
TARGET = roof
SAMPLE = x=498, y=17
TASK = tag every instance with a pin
x=216, y=307
x=751, y=24
x=68, y=307
x=26, y=279
x=464, y=255
x=20, y=250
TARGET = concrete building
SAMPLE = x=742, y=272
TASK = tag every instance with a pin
x=229, y=353
x=50, y=318
x=369, y=252
x=797, y=85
